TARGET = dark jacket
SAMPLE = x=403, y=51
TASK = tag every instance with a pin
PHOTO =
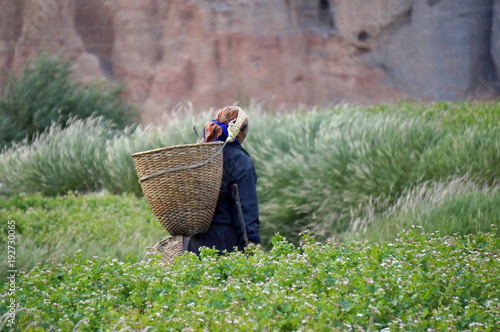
x=225, y=231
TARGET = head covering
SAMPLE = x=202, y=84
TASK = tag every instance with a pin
x=217, y=129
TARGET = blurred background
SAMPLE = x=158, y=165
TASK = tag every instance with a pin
x=282, y=53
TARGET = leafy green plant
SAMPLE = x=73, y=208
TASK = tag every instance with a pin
x=97, y=224
x=44, y=93
x=419, y=282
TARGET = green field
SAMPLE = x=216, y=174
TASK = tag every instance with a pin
x=416, y=283
x=404, y=201
x=96, y=224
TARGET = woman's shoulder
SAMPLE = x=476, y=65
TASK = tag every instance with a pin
x=236, y=154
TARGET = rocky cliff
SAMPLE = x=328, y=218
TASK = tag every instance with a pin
x=282, y=52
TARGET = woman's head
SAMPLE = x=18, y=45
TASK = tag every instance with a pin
x=218, y=129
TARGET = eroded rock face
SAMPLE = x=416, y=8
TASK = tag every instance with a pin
x=216, y=55
x=289, y=52
x=33, y=26
x=442, y=51
x=495, y=43
x=10, y=30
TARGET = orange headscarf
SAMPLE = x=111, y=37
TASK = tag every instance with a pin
x=216, y=130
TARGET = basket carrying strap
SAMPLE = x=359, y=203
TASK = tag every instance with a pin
x=175, y=169
x=233, y=130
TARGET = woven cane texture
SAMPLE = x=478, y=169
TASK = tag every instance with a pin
x=183, y=201
x=170, y=247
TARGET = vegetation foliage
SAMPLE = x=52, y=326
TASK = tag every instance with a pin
x=98, y=224
x=420, y=282
x=339, y=172
x=44, y=93
x=343, y=173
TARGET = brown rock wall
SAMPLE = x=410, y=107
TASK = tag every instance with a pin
x=33, y=26
x=283, y=52
x=221, y=54
x=10, y=29
x=441, y=52
x=47, y=25
x=495, y=41
x=361, y=21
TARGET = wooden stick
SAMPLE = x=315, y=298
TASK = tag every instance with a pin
x=236, y=197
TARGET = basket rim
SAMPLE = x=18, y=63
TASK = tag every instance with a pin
x=137, y=154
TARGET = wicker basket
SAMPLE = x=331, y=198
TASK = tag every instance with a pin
x=170, y=247
x=181, y=185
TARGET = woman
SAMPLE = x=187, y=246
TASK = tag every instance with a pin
x=225, y=232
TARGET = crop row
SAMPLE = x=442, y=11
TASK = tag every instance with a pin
x=419, y=282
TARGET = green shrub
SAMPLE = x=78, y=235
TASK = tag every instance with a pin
x=44, y=93
x=97, y=224
x=420, y=282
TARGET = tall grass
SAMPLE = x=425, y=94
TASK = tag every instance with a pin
x=336, y=164
x=59, y=160
x=474, y=151
x=319, y=170
x=89, y=155
x=322, y=170
x=458, y=205
x=450, y=116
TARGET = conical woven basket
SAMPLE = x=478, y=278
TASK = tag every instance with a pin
x=180, y=186
x=170, y=247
